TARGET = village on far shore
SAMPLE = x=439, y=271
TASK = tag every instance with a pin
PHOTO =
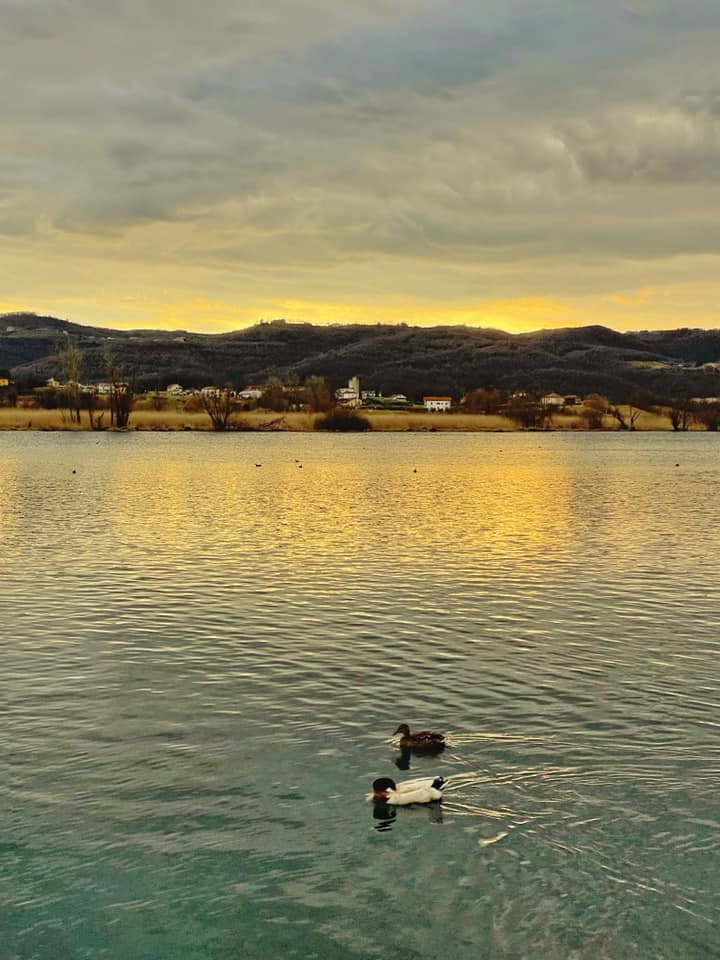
x=350, y=396
x=344, y=408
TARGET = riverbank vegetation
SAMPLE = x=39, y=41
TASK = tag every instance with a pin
x=293, y=405
x=145, y=418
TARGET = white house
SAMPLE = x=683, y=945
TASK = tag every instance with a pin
x=552, y=400
x=173, y=389
x=349, y=396
x=250, y=393
x=437, y=404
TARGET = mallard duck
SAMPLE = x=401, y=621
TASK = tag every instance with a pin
x=385, y=790
x=420, y=740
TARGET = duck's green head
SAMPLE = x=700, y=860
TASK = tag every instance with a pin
x=381, y=787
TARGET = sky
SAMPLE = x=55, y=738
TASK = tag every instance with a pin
x=508, y=163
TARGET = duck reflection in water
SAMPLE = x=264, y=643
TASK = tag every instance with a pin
x=424, y=743
x=385, y=814
x=426, y=750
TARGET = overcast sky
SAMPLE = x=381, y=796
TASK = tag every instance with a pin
x=509, y=163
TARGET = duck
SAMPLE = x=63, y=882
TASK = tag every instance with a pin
x=420, y=740
x=385, y=790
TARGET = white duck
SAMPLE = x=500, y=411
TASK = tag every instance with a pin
x=426, y=790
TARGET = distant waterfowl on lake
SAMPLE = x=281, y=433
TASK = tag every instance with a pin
x=385, y=790
x=420, y=740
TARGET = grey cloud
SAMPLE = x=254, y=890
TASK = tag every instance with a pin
x=306, y=132
x=649, y=143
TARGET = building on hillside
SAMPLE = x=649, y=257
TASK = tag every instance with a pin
x=369, y=395
x=572, y=400
x=173, y=390
x=250, y=393
x=552, y=400
x=349, y=396
x=396, y=398
x=437, y=404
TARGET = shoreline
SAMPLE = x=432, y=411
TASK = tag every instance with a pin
x=166, y=421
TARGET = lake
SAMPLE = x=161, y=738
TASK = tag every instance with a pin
x=204, y=660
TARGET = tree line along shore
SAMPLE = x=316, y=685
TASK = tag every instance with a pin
x=313, y=405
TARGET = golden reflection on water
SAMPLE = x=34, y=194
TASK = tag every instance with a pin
x=165, y=505
x=9, y=497
x=336, y=506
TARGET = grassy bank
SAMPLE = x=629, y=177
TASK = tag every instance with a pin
x=395, y=421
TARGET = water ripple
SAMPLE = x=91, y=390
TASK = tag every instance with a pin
x=204, y=664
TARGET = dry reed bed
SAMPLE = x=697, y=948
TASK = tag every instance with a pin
x=388, y=421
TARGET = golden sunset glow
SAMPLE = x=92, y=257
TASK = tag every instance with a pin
x=663, y=307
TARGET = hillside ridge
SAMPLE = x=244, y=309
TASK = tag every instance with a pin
x=388, y=358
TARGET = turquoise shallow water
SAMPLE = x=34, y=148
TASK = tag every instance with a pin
x=203, y=661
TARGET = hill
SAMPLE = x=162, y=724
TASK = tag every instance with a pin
x=392, y=359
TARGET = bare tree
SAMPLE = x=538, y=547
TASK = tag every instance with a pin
x=95, y=415
x=71, y=364
x=634, y=414
x=294, y=392
x=708, y=415
x=274, y=396
x=318, y=395
x=121, y=396
x=219, y=406
x=528, y=413
x=680, y=411
x=595, y=408
x=625, y=418
x=482, y=401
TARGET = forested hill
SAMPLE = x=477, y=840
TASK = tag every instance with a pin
x=392, y=359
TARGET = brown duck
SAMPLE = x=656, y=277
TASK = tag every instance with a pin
x=421, y=740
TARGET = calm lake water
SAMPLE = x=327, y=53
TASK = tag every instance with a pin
x=204, y=659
